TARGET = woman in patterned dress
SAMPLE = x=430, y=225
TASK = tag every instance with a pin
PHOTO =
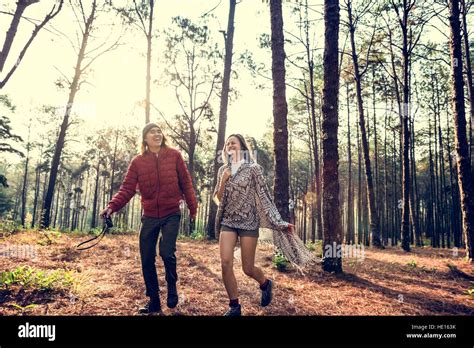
x=245, y=205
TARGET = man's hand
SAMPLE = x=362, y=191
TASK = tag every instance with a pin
x=192, y=224
x=107, y=212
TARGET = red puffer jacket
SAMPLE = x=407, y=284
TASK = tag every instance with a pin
x=162, y=181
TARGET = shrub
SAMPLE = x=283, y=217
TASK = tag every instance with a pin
x=29, y=277
x=198, y=235
x=8, y=227
x=280, y=262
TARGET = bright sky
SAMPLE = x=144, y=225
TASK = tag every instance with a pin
x=118, y=77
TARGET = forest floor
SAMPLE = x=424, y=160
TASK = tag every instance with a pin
x=44, y=275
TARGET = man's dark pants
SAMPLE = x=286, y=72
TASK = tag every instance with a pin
x=149, y=233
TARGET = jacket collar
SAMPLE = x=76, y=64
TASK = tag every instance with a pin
x=150, y=154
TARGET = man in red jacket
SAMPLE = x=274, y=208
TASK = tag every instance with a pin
x=163, y=179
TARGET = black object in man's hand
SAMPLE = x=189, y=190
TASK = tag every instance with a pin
x=108, y=222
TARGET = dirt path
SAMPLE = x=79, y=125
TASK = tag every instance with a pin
x=108, y=281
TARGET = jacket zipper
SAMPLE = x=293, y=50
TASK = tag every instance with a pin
x=158, y=176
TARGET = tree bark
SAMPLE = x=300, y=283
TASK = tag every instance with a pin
x=65, y=124
x=11, y=33
x=373, y=217
x=114, y=159
x=431, y=211
x=281, y=193
x=317, y=176
x=350, y=189
x=21, y=6
x=465, y=179
x=25, y=179
x=455, y=228
x=96, y=196
x=469, y=82
x=149, y=36
x=405, y=229
x=35, y=200
x=332, y=229
x=229, y=44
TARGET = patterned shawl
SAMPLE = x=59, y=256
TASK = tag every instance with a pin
x=251, y=201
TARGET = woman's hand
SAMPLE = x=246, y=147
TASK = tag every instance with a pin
x=220, y=191
x=226, y=174
x=291, y=228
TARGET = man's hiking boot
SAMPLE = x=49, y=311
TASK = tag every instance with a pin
x=152, y=306
x=172, y=300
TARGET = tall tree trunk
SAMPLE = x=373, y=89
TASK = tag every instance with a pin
x=455, y=228
x=281, y=185
x=374, y=223
x=385, y=226
x=376, y=152
x=114, y=159
x=432, y=195
x=229, y=43
x=37, y=187
x=437, y=189
x=61, y=210
x=332, y=229
x=413, y=192
x=389, y=209
x=11, y=33
x=305, y=220
x=466, y=181
x=444, y=199
x=359, y=188
x=96, y=196
x=469, y=82
x=74, y=210
x=43, y=195
x=405, y=229
x=395, y=189
x=320, y=140
x=206, y=212
x=69, y=194
x=65, y=124
x=149, y=36
x=56, y=209
x=310, y=61
x=21, y=6
x=35, y=201
x=415, y=226
x=350, y=188
x=85, y=203
x=25, y=179
x=192, y=150
x=104, y=190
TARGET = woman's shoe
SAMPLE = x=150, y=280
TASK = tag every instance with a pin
x=234, y=312
x=267, y=294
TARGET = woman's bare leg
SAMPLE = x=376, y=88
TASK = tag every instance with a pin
x=248, y=246
x=227, y=241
